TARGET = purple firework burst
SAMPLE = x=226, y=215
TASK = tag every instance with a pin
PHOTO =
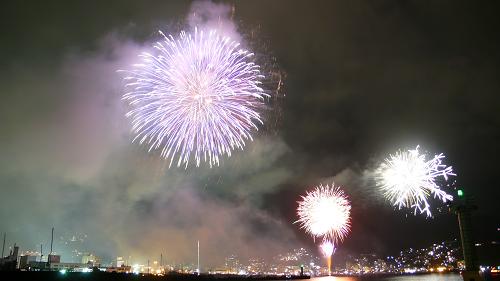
x=195, y=95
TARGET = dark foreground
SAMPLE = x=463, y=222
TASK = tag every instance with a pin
x=96, y=276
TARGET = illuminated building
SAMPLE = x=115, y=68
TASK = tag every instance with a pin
x=91, y=260
x=256, y=266
x=26, y=261
x=68, y=266
x=120, y=269
x=54, y=258
x=232, y=264
x=119, y=262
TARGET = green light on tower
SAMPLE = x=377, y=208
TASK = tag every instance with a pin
x=460, y=193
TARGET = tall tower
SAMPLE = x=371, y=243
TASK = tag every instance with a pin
x=463, y=207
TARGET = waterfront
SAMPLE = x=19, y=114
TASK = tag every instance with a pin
x=417, y=277
x=95, y=276
x=420, y=277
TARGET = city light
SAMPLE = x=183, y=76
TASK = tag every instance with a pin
x=438, y=257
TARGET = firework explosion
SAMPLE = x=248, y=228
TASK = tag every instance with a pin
x=407, y=179
x=195, y=95
x=325, y=212
x=327, y=248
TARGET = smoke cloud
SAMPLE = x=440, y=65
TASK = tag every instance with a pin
x=76, y=169
x=214, y=16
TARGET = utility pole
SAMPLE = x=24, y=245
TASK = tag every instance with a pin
x=51, y=241
x=198, y=257
x=463, y=207
x=41, y=252
x=3, y=247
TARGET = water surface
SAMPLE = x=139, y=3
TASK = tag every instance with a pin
x=422, y=277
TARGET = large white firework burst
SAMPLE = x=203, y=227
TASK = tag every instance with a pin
x=325, y=212
x=408, y=179
x=195, y=95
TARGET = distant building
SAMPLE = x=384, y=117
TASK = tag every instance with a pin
x=91, y=260
x=36, y=266
x=352, y=266
x=27, y=261
x=256, y=266
x=69, y=266
x=232, y=264
x=379, y=265
x=119, y=262
x=9, y=263
x=120, y=269
x=54, y=258
x=219, y=271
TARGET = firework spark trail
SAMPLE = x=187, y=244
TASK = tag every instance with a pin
x=328, y=248
x=325, y=212
x=196, y=94
x=407, y=179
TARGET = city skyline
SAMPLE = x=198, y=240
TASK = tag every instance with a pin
x=445, y=255
x=349, y=83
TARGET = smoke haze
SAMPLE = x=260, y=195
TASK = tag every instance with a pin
x=363, y=80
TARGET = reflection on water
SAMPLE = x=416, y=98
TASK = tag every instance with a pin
x=425, y=277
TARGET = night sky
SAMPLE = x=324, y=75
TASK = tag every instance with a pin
x=363, y=79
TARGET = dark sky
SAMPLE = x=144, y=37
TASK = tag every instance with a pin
x=363, y=79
